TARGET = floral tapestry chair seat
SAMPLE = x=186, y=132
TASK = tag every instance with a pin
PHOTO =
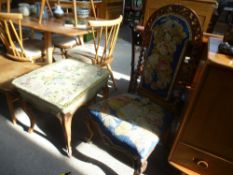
x=167, y=63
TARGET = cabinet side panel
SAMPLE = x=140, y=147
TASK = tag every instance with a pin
x=210, y=124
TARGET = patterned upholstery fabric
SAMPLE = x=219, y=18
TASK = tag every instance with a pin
x=170, y=34
x=62, y=86
x=133, y=121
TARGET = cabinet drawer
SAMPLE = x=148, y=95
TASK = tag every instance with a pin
x=200, y=162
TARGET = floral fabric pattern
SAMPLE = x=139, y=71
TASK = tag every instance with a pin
x=169, y=36
x=134, y=121
x=63, y=82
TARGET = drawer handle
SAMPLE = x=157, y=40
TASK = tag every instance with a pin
x=201, y=163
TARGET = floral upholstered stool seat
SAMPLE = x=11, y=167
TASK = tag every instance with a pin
x=61, y=88
x=132, y=121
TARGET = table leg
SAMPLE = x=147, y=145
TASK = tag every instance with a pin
x=66, y=120
x=75, y=14
x=48, y=47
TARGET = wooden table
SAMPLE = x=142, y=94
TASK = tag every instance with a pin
x=69, y=4
x=49, y=26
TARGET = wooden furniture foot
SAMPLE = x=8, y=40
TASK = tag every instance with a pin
x=140, y=166
x=66, y=120
x=10, y=102
x=30, y=114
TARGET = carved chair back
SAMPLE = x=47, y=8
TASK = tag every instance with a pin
x=170, y=33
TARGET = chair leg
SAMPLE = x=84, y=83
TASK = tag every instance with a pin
x=63, y=53
x=112, y=77
x=30, y=114
x=10, y=103
x=140, y=167
x=88, y=124
x=79, y=40
x=106, y=91
x=66, y=120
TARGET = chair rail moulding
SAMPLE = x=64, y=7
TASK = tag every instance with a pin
x=203, y=8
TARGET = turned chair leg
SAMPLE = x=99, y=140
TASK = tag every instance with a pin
x=10, y=102
x=140, y=167
x=66, y=120
x=112, y=77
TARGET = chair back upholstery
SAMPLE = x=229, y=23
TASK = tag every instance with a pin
x=167, y=35
x=105, y=33
x=11, y=36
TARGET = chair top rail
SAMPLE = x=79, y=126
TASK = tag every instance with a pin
x=107, y=23
x=12, y=16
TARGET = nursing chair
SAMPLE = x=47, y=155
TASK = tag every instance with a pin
x=16, y=47
x=170, y=52
x=65, y=42
x=100, y=52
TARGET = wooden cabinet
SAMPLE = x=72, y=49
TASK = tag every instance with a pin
x=204, y=8
x=204, y=144
x=110, y=9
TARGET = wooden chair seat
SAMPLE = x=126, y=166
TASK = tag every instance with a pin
x=86, y=51
x=64, y=42
x=32, y=49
